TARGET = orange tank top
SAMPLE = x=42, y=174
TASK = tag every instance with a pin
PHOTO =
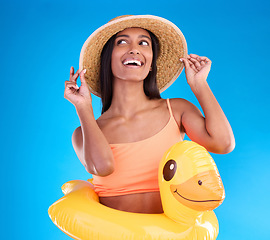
x=136, y=163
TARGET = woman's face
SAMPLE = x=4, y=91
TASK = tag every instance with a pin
x=132, y=55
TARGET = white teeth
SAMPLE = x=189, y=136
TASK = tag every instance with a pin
x=133, y=61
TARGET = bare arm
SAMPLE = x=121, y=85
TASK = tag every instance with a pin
x=88, y=141
x=212, y=131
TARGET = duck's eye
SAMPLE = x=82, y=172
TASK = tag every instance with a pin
x=169, y=170
x=200, y=182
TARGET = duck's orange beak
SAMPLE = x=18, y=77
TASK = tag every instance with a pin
x=202, y=192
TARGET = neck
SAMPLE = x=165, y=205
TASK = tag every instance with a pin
x=128, y=98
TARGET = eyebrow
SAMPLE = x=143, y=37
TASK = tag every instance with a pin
x=140, y=36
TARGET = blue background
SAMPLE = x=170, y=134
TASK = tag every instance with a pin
x=40, y=40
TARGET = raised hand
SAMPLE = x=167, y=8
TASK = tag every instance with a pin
x=197, y=68
x=77, y=95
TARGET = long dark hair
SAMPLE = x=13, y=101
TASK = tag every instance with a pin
x=106, y=77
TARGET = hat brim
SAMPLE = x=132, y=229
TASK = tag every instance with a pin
x=172, y=46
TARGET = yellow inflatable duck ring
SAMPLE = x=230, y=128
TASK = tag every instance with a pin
x=190, y=188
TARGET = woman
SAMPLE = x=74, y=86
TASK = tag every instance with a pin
x=123, y=147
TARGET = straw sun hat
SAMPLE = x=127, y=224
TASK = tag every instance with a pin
x=172, y=46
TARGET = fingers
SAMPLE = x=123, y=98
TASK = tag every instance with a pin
x=193, y=55
x=70, y=85
x=71, y=71
x=71, y=88
x=186, y=63
x=204, y=60
x=73, y=77
x=200, y=59
x=82, y=77
x=196, y=62
x=189, y=64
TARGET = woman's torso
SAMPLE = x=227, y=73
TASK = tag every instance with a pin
x=145, y=126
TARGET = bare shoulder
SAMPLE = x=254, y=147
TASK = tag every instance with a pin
x=180, y=106
x=183, y=109
x=104, y=120
x=158, y=104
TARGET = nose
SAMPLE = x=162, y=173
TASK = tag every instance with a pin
x=133, y=50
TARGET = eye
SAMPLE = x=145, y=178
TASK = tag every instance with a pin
x=122, y=41
x=200, y=182
x=144, y=43
x=169, y=170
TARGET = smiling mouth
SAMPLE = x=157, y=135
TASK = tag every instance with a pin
x=194, y=200
x=133, y=62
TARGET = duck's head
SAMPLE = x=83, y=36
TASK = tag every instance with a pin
x=189, y=179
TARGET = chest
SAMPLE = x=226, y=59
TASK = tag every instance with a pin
x=136, y=129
